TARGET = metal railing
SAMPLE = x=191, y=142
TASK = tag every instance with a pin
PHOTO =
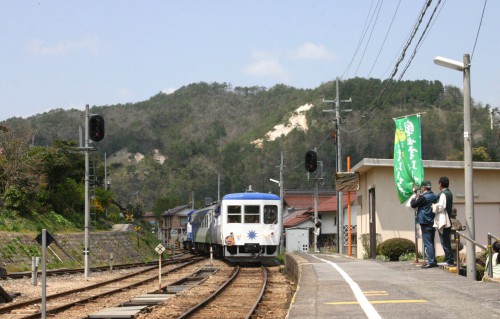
x=457, y=238
x=490, y=254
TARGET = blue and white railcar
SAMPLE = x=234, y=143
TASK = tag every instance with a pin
x=250, y=227
x=204, y=230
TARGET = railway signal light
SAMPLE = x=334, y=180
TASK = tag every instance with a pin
x=311, y=161
x=96, y=128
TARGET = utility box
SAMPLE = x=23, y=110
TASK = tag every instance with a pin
x=297, y=239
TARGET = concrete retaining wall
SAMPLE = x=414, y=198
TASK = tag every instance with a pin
x=293, y=263
x=16, y=249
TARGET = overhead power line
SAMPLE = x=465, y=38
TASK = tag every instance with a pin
x=401, y=59
x=362, y=37
x=478, y=29
x=385, y=38
x=379, y=5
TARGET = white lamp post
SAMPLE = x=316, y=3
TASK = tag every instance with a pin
x=468, y=169
x=280, y=221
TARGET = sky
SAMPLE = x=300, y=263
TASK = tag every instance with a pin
x=66, y=54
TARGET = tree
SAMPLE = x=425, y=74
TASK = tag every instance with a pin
x=19, y=176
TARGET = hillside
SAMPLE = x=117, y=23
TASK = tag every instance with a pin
x=163, y=151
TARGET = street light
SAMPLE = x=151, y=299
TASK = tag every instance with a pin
x=468, y=169
x=280, y=217
x=275, y=181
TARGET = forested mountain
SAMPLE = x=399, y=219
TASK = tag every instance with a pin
x=163, y=151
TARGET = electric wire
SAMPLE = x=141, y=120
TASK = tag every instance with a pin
x=385, y=38
x=396, y=67
x=379, y=6
x=363, y=34
x=478, y=29
x=386, y=89
x=420, y=40
x=423, y=35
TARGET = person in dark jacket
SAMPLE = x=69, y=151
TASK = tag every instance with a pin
x=425, y=217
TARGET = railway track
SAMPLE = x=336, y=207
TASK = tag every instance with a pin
x=66, y=271
x=231, y=292
x=201, y=290
x=237, y=298
x=73, y=302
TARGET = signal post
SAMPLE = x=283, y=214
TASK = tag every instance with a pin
x=94, y=130
x=311, y=165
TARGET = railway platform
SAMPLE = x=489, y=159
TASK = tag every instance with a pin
x=335, y=286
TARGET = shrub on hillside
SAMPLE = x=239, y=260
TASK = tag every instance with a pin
x=395, y=247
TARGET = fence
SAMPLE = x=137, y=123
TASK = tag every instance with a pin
x=490, y=264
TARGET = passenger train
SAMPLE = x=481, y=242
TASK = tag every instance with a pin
x=242, y=227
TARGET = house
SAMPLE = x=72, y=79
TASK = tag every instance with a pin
x=299, y=208
x=174, y=223
x=329, y=222
x=149, y=217
x=381, y=216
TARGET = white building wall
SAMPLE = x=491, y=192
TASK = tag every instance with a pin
x=395, y=220
x=328, y=224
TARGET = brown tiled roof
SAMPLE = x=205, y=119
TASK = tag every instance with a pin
x=327, y=201
x=305, y=200
x=296, y=218
x=174, y=210
x=330, y=205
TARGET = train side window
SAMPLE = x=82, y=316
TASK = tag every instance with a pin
x=205, y=222
x=252, y=214
x=234, y=214
x=270, y=214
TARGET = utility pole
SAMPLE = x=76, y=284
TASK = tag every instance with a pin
x=492, y=118
x=282, y=190
x=316, y=191
x=340, y=205
x=87, y=204
x=469, y=173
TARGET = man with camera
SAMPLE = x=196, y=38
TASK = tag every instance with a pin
x=425, y=217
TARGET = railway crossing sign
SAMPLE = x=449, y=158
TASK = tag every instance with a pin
x=160, y=249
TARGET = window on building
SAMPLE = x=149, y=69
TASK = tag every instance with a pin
x=252, y=214
x=270, y=214
x=234, y=214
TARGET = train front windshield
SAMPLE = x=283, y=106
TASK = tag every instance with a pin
x=270, y=214
x=250, y=214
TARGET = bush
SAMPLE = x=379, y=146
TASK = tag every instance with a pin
x=395, y=247
x=407, y=257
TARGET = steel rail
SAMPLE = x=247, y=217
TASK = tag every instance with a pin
x=9, y=308
x=200, y=305
x=54, y=272
x=264, y=285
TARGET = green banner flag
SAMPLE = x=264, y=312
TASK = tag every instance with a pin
x=408, y=166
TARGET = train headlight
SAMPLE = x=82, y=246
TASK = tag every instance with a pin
x=269, y=235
